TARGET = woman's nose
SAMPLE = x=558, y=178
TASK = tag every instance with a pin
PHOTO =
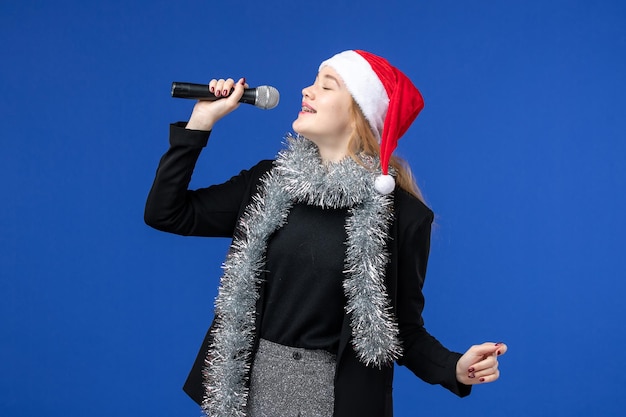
x=307, y=92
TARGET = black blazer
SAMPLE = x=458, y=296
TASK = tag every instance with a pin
x=214, y=211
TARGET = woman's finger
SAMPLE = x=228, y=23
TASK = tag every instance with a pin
x=488, y=362
x=227, y=86
x=212, y=85
x=489, y=378
x=502, y=348
x=484, y=367
x=486, y=371
x=219, y=87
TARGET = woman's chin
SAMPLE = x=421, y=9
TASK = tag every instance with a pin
x=297, y=127
x=299, y=132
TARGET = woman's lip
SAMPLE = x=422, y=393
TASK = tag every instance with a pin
x=308, y=107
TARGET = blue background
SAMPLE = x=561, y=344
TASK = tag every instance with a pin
x=519, y=151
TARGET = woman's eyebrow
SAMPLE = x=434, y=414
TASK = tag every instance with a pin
x=328, y=76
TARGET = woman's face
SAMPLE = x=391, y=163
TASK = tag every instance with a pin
x=325, y=117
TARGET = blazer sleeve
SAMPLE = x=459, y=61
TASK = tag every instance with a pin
x=424, y=355
x=211, y=211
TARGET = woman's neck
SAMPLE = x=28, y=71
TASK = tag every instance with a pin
x=332, y=155
x=332, y=152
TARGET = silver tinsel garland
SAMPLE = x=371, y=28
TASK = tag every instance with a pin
x=299, y=176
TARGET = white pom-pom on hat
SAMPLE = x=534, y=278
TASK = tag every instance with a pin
x=384, y=184
x=387, y=98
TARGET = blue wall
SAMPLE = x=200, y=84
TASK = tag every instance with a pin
x=519, y=151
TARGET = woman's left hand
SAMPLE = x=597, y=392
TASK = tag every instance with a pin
x=479, y=364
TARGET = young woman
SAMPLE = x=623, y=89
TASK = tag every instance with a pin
x=322, y=286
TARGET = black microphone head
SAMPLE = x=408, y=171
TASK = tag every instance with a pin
x=267, y=97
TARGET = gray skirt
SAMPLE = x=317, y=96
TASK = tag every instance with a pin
x=291, y=382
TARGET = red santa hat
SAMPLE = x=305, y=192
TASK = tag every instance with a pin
x=388, y=99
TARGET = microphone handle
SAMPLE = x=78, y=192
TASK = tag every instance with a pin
x=201, y=92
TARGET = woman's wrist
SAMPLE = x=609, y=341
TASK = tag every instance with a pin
x=203, y=116
x=199, y=124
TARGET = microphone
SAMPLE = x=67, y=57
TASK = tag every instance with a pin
x=264, y=97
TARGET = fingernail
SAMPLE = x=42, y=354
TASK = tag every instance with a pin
x=482, y=379
x=243, y=81
x=470, y=370
x=212, y=89
x=499, y=343
x=498, y=353
x=472, y=375
x=218, y=93
x=224, y=92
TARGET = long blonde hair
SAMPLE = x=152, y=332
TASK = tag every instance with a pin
x=363, y=141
